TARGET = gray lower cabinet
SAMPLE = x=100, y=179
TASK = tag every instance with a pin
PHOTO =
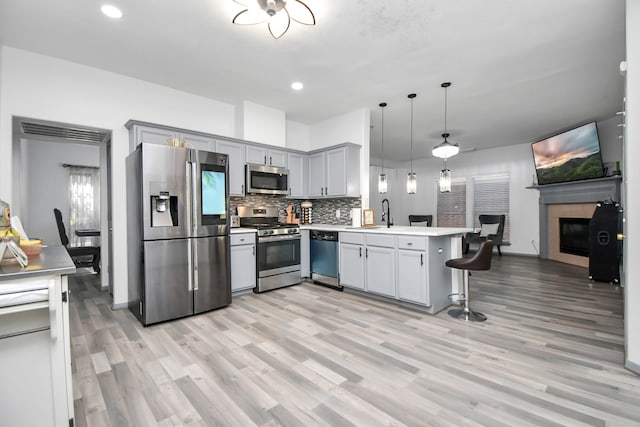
x=412, y=270
x=352, y=265
x=380, y=264
x=243, y=261
x=402, y=267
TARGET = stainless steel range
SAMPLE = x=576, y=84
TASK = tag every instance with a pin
x=278, y=248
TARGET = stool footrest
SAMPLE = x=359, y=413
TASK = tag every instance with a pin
x=457, y=298
x=468, y=315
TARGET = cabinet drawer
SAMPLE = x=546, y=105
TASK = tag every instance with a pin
x=380, y=240
x=243, y=239
x=355, y=238
x=410, y=242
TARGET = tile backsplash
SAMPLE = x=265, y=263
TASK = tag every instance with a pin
x=324, y=210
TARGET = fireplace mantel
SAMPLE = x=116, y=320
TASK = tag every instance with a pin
x=587, y=191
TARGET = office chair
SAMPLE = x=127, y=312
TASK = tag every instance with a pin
x=77, y=252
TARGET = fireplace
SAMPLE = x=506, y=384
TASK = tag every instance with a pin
x=574, y=236
x=570, y=200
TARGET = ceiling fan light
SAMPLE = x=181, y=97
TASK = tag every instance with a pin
x=300, y=12
x=279, y=24
x=445, y=149
x=278, y=14
x=250, y=17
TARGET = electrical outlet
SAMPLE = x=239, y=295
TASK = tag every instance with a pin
x=337, y=213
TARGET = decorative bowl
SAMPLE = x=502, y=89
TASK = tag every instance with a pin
x=31, y=247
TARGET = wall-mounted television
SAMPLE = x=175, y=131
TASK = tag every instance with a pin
x=573, y=155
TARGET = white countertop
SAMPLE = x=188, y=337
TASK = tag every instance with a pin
x=399, y=229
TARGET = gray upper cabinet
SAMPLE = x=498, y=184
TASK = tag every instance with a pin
x=154, y=135
x=236, y=153
x=335, y=172
x=316, y=174
x=265, y=156
x=297, y=175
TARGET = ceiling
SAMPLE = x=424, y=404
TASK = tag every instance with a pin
x=520, y=71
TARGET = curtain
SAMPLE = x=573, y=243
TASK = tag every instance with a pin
x=84, y=204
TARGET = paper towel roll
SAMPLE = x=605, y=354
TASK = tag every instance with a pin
x=356, y=217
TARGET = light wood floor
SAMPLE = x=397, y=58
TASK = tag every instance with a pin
x=550, y=354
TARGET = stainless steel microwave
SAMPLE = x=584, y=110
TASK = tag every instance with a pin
x=262, y=179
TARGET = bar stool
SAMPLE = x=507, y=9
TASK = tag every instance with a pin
x=480, y=261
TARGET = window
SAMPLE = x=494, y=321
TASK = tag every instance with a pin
x=491, y=197
x=452, y=207
x=84, y=203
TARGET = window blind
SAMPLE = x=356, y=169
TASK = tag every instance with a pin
x=491, y=197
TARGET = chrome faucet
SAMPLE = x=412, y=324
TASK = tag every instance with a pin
x=387, y=213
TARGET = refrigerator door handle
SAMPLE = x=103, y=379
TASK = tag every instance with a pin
x=189, y=267
x=194, y=263
x=194, y=198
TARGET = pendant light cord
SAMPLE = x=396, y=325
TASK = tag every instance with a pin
x=411, y=96
x=382, y=105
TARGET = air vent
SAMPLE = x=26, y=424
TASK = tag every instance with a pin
x=68, y=133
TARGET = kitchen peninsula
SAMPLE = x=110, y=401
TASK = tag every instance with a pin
x=406, y=264
x=35, y=360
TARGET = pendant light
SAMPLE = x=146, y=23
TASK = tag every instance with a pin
x=445, y=179
x=411, y=176
x=445, y=149
x=382, y=178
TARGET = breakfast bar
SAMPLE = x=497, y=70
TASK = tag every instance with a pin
x=404, y=264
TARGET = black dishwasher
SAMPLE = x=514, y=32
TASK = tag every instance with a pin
x=324, y=258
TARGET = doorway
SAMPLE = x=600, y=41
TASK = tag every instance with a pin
x=40, y=183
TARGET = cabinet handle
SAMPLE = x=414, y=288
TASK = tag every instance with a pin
x=409, y=244
x=366, y=253
x=326, y=191
x=621, y=113
x=322, y=191
x=421, y=259
x=254, y=250
x=360, y=252
x=270, y=160
x=289, y=190
x=242, y=188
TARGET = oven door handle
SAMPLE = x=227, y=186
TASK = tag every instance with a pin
x=264, y=239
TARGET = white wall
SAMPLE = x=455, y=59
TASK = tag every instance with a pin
x=47, y=184
x=351, y=127
x=45, y=88
x=297, y=136
x=631, y=175
x=264, y=124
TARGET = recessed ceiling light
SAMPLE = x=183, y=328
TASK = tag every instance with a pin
x=297, y=86
x=111, y=11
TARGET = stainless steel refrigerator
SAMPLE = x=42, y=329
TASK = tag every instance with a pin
x=178, y=232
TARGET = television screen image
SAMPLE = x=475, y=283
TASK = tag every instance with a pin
x=573, y=155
